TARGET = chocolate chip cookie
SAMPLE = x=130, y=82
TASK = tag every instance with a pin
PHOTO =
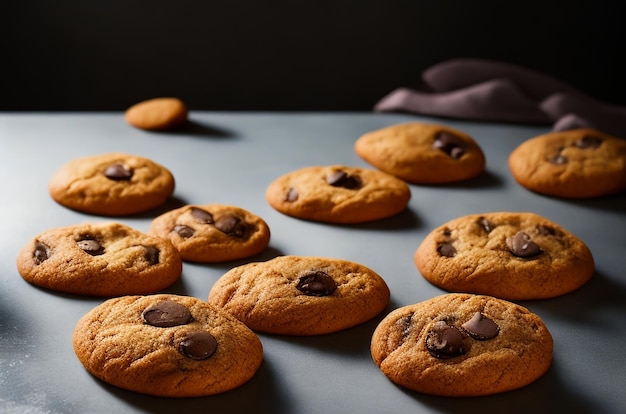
x=462, y=345
x=104, y=259
x=576, y=163
x=422, y=153
x=301, y=295
x=338, y=194
x=166, y=345
x=212, y=233
x=516, y=256
x=113, y=184
x=157, y=114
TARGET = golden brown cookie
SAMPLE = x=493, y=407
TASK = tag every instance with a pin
x=296, y=295
x=166, y=345
x=422, y=153
x=462, y=345
x=113, y=184
x=510, y=255
x=212, y=233
x=576, y=163
x=157, y=114
x=338, y=194
x=104, y=259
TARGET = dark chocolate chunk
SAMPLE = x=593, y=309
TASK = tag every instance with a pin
x=40, y=254
x=198, y=345
x=118, y=172
x=445, y=341
x=446, y=249
x=151, y=254
x=184, y=231
x=481, y=327
x=344, y=180
x=231, y=225
x=450, y=144
x=90, y=246
x=316, y=283
x=166, y=314
x=522, y=246
x=292, y=195
x=202, y=216
x=588, y=141
x=486, y=224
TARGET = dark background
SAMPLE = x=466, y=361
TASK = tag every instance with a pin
x=289, y=55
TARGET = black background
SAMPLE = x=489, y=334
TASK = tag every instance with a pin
x=289, y=55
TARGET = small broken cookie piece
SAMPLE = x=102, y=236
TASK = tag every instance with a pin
x=422, y=153
x=112, y=184
x=166, y=345
x=576, y=163
x=516, y=256
x=157, y=114
x=301, y=295
x=105, y=259
x=338, y=194
x=212, y=233
x=462, y=345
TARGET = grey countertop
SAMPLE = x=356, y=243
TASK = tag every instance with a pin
x=231, y=158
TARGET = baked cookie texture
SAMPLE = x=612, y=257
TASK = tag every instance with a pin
x=510, y=255
x=212, y=233
x=301, y=295
x=576, y=163
x=157, y=114
x=422, y=153
x=102, y=259
x=112, y=184
x=462, y=345
x=338, y=194
x=166, y=345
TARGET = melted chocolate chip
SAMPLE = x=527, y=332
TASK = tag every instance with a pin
x=316, y=283
x=118, y=172
x=486, y=224
x=202, y=216
x=344, y=180
x=450, y=144
x=522, y=246
x=481, y=327
x=588, y=141
x=184, y=231
x=40, y=254
x=90, y=246
x=166, y=314
x=198, y=345
x=291, y=195
x=446, y=249
x=231, y=225
x=151, y=254
x=558, y=160
x=445, y=341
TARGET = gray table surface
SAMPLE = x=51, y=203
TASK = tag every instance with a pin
x=230, y=158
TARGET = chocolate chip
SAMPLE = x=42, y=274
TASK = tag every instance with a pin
x=522, y=246
x=118, y=172
x=481, y=327
x=291, y=195
x=151, y=254
x=445, y=341
x=40, y=254
x=588, y=141
x=90, y=246
x=231, y=225
x=202, y=216
x=198, y=345
x=344, y=180
x=166, y=314
x=558, y=160
x=449, y=143
x=486, y=224
x=316, y=283
x=184, y=231
x=446, y=249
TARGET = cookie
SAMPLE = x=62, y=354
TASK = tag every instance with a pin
x=577, y=163
x=422, y=153
x=462, y=345
x=104, y=259
x=212, y=233
x=113, y=184
x=301, y=295
x=166, y=345
x=338, y=194
x=157, y=114
x=510, y=255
